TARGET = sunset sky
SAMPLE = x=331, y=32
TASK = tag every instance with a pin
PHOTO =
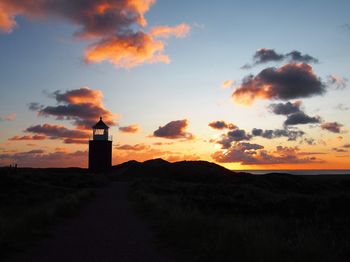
x=245, y=84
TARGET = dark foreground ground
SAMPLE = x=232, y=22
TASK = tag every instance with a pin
x=198, y=212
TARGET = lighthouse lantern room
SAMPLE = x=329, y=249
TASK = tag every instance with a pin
x=100, y=148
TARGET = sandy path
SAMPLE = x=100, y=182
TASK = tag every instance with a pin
x=107, y=229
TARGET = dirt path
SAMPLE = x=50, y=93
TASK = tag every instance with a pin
x=107, y=229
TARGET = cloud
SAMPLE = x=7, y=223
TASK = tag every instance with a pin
x=220, y=125
x=129, y=129
x=265, y=55
x=300, y=118
x=346, y=146
x=227, y=84
x=83, y=106
x=95, y=18
x=339, y=150
x=174, y=130
x=39, y=158
x=334, y=127
x=136, y=147
x=56, y=131
x=254, y=154
x=294, y=114
x=289, y=81
x=296, y=56
x=342, y=107
x=30, y=137
x=337, y=81
x=60, y=132
x=35, y=106
x=346, y=27
x=162, y=143
x=9, y=117
x=116, y=27
x=127, y=51
x=285, y=109
x=236, y=135
x=178, y=31
x=292, y=135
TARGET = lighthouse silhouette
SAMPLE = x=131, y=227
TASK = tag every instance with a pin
x=100, y=148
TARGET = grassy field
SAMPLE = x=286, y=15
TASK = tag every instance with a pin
x=249, y=218
x=33, y=199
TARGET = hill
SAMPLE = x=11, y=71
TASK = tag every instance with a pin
x=200, y=171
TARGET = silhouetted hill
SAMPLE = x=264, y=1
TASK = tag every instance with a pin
x=183, y=170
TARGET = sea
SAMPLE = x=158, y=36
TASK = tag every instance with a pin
x=300, y=172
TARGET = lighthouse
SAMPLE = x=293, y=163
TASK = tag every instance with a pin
x=100, y=148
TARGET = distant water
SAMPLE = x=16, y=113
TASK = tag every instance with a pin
x=299, y=172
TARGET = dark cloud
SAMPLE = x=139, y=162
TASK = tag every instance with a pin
x=346, y=146
x=292, y=135
x=285, y=108
x=174, y=130
x=222, y=125
x=290, y=81
x=129, y=129
x=24, y=138
x=265, y=55
x=253, y=154
x=116, y=27
x=296, y=56
x=342, y=107
x=334, y=127
x=60, y=132
x=83, y=106
x=300, y=118
x=309, y=141
x=56, y=131
x=35, y=106
x=136, y=147
x=337, y=82
x=339, y=150
x=39, y=158
x=233, y=136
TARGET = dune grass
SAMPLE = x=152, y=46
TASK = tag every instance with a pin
x=31, y=200
x=250, y=219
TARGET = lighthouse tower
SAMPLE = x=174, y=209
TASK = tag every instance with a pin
x=100, y=148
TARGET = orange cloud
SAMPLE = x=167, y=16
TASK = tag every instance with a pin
x=178, y=31
x=21, y=138
x=227, y=84
x=116, y=27
x=129, y=129
x=9, y=117
x=136, y=147
x=128, y=51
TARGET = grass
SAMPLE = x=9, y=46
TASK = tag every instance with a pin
x=265, y=218
x=31, y=200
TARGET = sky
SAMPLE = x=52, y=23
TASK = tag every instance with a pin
x=244, y=84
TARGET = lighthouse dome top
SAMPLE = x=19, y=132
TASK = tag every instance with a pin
x=100, y=125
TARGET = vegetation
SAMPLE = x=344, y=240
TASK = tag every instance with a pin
x=275, y=217
x=33, y=199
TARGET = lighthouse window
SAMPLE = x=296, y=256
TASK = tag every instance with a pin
x=99, y=131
